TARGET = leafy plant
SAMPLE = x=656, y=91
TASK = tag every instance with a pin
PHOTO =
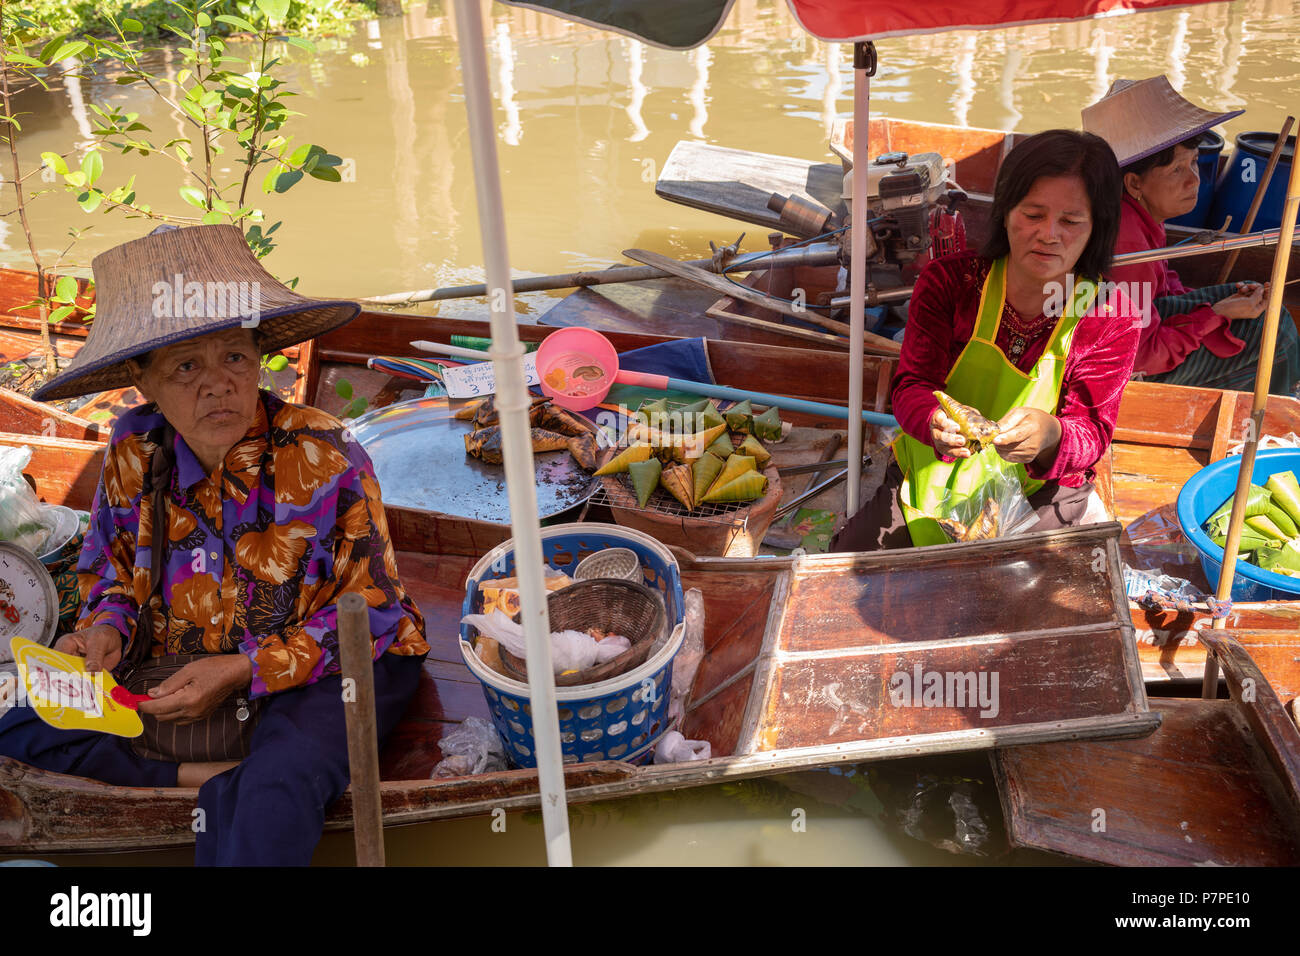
x=355, y=404
x=229, y=102
x=22, y=67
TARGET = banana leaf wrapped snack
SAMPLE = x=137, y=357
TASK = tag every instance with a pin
x=974, y=427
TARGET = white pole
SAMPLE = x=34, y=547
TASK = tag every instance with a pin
x=864, y=64
x=512, y=402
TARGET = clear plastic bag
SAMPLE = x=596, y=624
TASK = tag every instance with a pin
x=1155, y=542
x=997, y=509
x=23, y=520
x=688, y=659
x=473, y=747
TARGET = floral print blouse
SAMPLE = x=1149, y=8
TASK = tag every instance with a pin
x=255, y=554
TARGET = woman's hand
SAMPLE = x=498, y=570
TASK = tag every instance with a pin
x=946, y=436
x=1028, y=434
x=99, y=644
x=1247, y=303
x=196, y=689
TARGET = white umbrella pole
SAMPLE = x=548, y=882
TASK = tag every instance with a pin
x=512, y=402
x=864, y=66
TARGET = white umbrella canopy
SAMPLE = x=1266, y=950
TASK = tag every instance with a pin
x=676, y=24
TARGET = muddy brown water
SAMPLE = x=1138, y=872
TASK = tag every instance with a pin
x=585, y=119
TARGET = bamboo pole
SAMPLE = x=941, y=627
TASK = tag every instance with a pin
x=356, y=657
x=1259, y=196
x=1263, y=374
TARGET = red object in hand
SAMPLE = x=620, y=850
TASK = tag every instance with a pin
x=127, y=699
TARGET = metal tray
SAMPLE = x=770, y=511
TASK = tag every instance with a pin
x=418, y=450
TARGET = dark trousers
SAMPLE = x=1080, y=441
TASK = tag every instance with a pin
x=269, y=810
x=879, y=524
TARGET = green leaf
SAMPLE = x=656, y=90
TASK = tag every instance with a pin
x=203, y=20
x=92, y=166
x=355, y=407
x=268, y=184
x=65, y=290
x=195, y=113
x=58, y=315
x=275, y=10
x=286, y=180
x=277, y=363
x=55, y=162
x=76, y=178
x=301, y=44
x=210, y=99
x=14, y=123
x=343, y=389
x=299, y=155
x=212, y=218
x=194, y=196
x=90, y=200
x=23, y=60
x=327, y=173
x=67, y=50
x=239, y=23
x=130, y=25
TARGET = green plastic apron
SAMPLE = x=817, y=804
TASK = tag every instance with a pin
x=986, y=380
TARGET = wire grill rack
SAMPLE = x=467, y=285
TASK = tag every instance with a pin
x=616, y=491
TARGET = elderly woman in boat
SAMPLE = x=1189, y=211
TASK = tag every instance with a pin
x=1018, y=333
x=225, y=526
x=1207, y=337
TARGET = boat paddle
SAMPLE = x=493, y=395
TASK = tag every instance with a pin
x=577, y=367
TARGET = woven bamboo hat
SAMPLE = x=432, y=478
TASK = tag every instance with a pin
x=1139, y=118
x=177, y=285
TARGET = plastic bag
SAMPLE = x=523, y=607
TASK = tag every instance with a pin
x=1155, y=542
x=674, y=748
x=998, y=508
x=570, y=650
x=22, y=518
x=688, y=659
x=473, y=747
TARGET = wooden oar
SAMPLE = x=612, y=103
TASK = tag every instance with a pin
x=720, y=285
x=1259, y=197
x=356, y=653
x=1263, y=373
x=821, y=254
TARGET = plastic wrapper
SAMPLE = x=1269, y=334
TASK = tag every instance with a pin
x=22, y=518
x=473, y=747
x=570, y=650
x=997, y=509
x=687, y=661
x=674, y=748
x=1155, y=542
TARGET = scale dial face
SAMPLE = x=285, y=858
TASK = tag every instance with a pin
x=29, y=602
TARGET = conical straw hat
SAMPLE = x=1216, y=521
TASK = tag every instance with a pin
x=1139, y=118
x=177, y=285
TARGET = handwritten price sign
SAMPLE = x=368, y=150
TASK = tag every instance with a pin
x=472, y=381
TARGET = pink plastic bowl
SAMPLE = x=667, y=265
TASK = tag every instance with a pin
x=576, y=367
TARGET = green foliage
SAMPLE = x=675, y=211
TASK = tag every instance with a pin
x=156, y=19
x=230, y=103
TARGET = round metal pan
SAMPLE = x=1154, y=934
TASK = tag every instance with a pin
x=418, y=450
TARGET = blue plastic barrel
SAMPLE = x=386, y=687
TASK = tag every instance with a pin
x=1240, y=180
x=1207, y=164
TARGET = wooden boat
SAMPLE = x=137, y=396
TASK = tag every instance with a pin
x=1163, y=435
x=801, y=656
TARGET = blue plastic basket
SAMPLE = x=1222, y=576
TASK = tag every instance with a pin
x=1209, y=488
x=618, y=719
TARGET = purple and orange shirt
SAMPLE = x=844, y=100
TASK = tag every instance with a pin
x=255, y=554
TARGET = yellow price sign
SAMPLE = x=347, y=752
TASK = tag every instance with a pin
x=58, y=687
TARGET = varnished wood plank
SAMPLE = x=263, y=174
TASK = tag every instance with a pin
x=1196, y=791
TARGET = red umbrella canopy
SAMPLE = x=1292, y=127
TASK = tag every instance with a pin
x=682, y=24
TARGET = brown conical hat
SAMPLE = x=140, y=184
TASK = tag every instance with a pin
x=177, y=285
x=1139, y=118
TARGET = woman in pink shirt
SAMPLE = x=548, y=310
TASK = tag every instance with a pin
x=1206, y=337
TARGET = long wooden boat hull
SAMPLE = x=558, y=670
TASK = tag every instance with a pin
x=802, y=660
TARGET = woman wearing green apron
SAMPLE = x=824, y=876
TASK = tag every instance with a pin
x=1022, y=332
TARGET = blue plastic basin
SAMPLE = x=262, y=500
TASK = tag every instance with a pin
x=1209, y=488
